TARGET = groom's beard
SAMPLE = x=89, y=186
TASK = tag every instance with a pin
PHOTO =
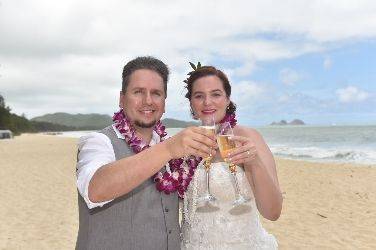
x=145, y=125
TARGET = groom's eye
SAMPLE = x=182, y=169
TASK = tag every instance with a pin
x=157, y=93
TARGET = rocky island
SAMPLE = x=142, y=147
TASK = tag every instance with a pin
x=293, y=122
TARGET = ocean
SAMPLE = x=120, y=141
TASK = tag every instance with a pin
x=344, y=144
x=347, y=144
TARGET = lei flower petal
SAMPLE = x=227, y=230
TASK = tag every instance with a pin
x=177, y=177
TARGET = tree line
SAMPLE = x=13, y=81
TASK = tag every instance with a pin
x=20, y=124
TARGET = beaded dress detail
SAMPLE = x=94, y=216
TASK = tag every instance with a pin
x=222, y=226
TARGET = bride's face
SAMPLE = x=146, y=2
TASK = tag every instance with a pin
x=209, y=98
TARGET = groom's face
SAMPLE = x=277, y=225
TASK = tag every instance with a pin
x=144, y=99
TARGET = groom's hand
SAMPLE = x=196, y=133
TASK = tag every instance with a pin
x=195, y=141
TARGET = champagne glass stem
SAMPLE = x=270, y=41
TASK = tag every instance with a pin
x=207, y=169
x=207, y=196
x=239, y=199
x=237, y=188
x=207, y=181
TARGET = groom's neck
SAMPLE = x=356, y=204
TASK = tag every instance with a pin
x=145, y=133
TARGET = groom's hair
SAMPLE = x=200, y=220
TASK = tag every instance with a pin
x=145, y=62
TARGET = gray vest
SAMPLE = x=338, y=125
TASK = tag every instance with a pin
x=142, y=219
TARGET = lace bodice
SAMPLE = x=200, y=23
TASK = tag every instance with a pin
x=222, y=226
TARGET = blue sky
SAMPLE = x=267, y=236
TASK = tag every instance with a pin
x=311, y=60
x=315, y=82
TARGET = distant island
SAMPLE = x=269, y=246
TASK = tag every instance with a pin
x=293, y=122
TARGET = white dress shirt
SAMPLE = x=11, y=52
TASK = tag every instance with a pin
x=95, y=151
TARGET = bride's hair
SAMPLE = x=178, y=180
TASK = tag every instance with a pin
x=210, y=71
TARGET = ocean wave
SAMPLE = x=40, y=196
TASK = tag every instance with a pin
x=360, y=155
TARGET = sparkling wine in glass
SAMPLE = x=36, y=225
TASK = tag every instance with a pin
x=226, y=145
x=209, y=124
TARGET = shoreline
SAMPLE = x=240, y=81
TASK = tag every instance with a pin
x=326, y=205
x=276, y=149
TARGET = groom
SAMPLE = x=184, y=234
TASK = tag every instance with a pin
x=119, y=205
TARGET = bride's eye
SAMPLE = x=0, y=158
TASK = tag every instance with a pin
x=197, y=97
x=216, y=94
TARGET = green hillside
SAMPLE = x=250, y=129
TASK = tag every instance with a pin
x=173, y=123
x=97, y=121
x=64, y=121
x=89, y=121
x=20, y=124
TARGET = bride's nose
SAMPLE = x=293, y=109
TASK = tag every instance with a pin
x=207, y=100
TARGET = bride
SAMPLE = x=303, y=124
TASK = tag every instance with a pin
x=220, y=225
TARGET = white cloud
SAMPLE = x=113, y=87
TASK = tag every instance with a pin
x=351, y=94
x=284, y=98
x=289, y=77
x=327, y=64
x=247, y=92
x=69, y=55
x=245, y=70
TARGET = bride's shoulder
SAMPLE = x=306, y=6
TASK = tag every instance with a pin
x=246, y=131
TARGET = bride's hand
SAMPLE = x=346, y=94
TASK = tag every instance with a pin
x=195, y=141
x=244, y=153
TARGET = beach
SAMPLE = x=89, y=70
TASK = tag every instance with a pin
x=326, y=205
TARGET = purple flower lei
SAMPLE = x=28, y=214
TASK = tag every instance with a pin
x=179, y=172
x=230, y=118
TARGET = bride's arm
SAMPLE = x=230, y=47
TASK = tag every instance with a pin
x=260, y=169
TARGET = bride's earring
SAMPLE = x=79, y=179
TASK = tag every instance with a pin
x=194, y=116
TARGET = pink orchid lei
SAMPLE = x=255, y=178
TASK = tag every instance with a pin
x=179, y=172
x=230, y=118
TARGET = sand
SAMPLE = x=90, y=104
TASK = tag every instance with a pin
x=326, y=206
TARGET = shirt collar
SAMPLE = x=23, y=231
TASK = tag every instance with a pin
x=154, y=139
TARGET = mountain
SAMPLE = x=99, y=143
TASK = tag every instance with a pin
x=296, y=122
x=20, y=124
x=173, y=123
x=282, y=122
x=293, y=122
x=84, y=121
x=97, y=121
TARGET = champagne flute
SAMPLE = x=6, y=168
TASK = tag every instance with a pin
x=226, y=145
x=209, y=124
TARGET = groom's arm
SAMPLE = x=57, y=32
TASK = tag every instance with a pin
x=120, y=177
x=117, y=178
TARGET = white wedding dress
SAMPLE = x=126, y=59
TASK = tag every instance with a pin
x=222, y=226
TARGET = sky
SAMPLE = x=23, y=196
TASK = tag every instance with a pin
x=309, y=60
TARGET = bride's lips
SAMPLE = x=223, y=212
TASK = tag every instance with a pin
x=208, y=111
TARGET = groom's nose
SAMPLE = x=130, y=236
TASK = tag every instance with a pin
x=148, y=98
